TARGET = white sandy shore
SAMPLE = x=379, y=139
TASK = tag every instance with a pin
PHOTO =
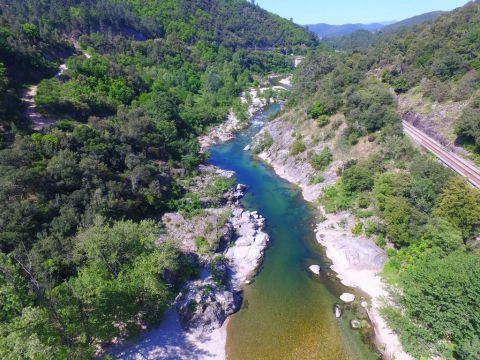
x=356, y=260
x=170, y=341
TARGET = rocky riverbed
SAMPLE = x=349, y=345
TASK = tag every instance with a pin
x=254, y=100
x=228, y=243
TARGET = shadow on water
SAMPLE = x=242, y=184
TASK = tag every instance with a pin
x=287, y=312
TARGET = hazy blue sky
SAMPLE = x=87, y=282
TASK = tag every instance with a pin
x=354, y=11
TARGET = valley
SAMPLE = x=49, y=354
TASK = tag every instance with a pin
x=207, y=180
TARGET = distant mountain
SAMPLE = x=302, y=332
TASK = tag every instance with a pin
x=326, y=31
x=330, y=31
x=413, y=20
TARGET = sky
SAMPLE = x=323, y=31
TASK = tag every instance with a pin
x=354, y=11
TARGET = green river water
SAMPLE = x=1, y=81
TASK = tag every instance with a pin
x=287, y=313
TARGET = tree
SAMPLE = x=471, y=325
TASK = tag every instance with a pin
x=358, y=177
x=441, y=295
x=443, y=235
x=402, y=221
x=459, y=203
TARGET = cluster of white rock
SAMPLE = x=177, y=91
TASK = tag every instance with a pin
x=246, y=255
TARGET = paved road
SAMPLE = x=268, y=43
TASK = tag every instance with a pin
x=463, y=167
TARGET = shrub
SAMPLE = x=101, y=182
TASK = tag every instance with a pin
x=316, y=110
x=363, y=201
x=322, y=160
x=201, y=243
x=323, y=120
x=357, y=229
x=372, y=227
x=336, y=198
x=297, y=148
x=317, y=179
x=263, y=143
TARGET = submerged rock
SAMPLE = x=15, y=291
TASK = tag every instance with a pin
x=338, y=311
x=316, y=269
x=347, y=297
x=355, y=324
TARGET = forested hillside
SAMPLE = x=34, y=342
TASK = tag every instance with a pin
x=80, y=199
x=426, y=217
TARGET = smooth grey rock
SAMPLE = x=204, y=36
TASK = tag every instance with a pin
x=316, y=269
x=347, y=297
x=338, y=311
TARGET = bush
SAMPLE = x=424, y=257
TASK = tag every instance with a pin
x=316, y=110
x=372, y=228
x=460, y=205
x=336, y=198
x=441, y=296
x=297, y=147
x=317, y=179
x=363, y=201
x=322, y=160
x=357, y=229
x=323, y=120
x=402, y=221
x=264, y=143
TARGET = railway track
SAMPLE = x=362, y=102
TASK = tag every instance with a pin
x=461, y=166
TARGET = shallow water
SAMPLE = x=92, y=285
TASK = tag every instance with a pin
x=287, y=313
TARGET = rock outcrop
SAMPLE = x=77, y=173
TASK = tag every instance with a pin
x=229, y=243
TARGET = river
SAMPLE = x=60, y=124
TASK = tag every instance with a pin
x=287, y=313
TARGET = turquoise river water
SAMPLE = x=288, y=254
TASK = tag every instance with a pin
x=287, y=313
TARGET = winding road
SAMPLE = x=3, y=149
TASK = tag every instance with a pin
x=461, y=166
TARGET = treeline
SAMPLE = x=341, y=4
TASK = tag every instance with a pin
x=80, y=200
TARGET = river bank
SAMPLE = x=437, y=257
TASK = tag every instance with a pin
x=356, y=260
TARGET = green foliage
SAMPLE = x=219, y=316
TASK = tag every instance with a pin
x=391, y=184
x=402, y=221
x=201, y=243
x=160, y=73
x=468, y=126
x=357, y=178
x=357, y=229
x=440, y=295
x=397, y=81
x=263, y=143
x=369, y=108
x=460, y=205
x=322, y=160
x=218, y=187
x=297, y=147
x=317, y=179
x=316, y=110
x=336, y=198
x=323, y=120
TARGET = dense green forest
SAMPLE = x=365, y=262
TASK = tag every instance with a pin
x=425, y=217
x=80, y=200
